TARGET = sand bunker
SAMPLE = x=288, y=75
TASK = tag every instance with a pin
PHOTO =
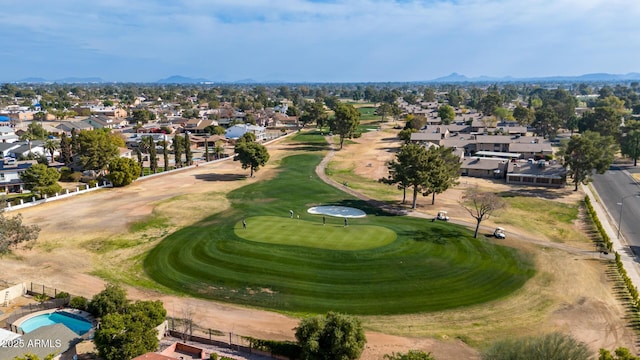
x=337, y=211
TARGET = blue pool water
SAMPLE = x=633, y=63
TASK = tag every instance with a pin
x=76, y=325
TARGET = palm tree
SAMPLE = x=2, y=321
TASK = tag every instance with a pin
x=51, y=146
x=218, y=150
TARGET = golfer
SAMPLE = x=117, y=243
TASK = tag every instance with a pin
x=324, y=220
x=291, y=213
x=346, y=223
x=244, y=224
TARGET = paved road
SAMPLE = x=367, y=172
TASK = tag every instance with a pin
x=620, y=194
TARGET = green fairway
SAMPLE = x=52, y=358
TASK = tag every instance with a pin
x=333, y=235
x=380, y=264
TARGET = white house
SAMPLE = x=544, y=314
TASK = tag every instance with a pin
x=7, y=135
x=26, y=147
x=236, y=131
x=10, y=171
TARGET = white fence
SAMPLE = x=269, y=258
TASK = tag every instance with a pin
x=79, y=190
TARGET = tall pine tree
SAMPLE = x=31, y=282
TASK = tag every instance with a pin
x=206, y=149
x=187, y=150
x=153, y=156
x=66, y=155
x=165, y=155
x=177, y=150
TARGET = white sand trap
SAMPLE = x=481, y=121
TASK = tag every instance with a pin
x=337, y=211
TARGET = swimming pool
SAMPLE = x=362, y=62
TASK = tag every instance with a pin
x=77, y=325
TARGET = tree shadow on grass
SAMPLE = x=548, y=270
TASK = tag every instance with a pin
x=369, y=207
x=544, y=193
x=436, y=235
x=310, y=148
x=220, y=177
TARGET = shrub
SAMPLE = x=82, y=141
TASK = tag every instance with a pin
x=285, y=348
x=62, y=295
x=79, y=302
x=213, y=356
x=554, y=346
x=41, y=298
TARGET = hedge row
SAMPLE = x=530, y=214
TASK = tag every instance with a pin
x=290, y=349
x=633, y=291
x=597, y=223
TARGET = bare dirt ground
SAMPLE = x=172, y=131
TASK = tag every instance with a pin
x=570, y=292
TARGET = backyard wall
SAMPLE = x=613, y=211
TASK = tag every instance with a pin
x=10, y=293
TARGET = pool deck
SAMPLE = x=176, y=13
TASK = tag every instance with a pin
x=15, y=326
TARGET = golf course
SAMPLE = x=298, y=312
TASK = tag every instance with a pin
x=379, y=264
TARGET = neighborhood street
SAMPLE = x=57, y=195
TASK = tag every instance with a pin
x=620, y=195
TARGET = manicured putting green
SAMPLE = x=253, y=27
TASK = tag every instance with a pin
x=297, y=232
x=380, y=264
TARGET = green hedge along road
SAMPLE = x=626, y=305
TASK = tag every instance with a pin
x=380, y=264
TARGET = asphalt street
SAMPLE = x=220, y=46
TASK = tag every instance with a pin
x=620, y=194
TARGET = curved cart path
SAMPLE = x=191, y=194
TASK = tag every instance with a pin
x=321, y=172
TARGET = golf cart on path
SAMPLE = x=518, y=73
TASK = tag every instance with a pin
x=499, y=233
x=442, y=215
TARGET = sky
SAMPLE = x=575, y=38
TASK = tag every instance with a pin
x=316, y=40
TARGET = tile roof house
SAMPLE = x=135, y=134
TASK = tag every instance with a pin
x=198, y=126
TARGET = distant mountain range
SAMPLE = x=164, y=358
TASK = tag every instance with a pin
x=604, y=77
x=67, y=80
x=178, y=79
x=452, y=78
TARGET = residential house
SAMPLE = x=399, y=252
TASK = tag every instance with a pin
x=537, y=173
x=135, y=139
x=429, y=137
x=10, y=171
x=236, y=131
x=101, y=121
x=198, y=141
x=8, y=134
x=484, y=167
x=512, y=130
x=5, y=148
x=68, y=126
x=198, y=126
x=282, y=119
x=533, y=150
x=108, y=111
x=25, y=148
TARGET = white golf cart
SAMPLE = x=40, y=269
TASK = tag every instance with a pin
x=499, y=233
x=442, y=215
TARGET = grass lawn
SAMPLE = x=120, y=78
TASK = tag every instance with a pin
x=368, y=113
x=380, y=264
